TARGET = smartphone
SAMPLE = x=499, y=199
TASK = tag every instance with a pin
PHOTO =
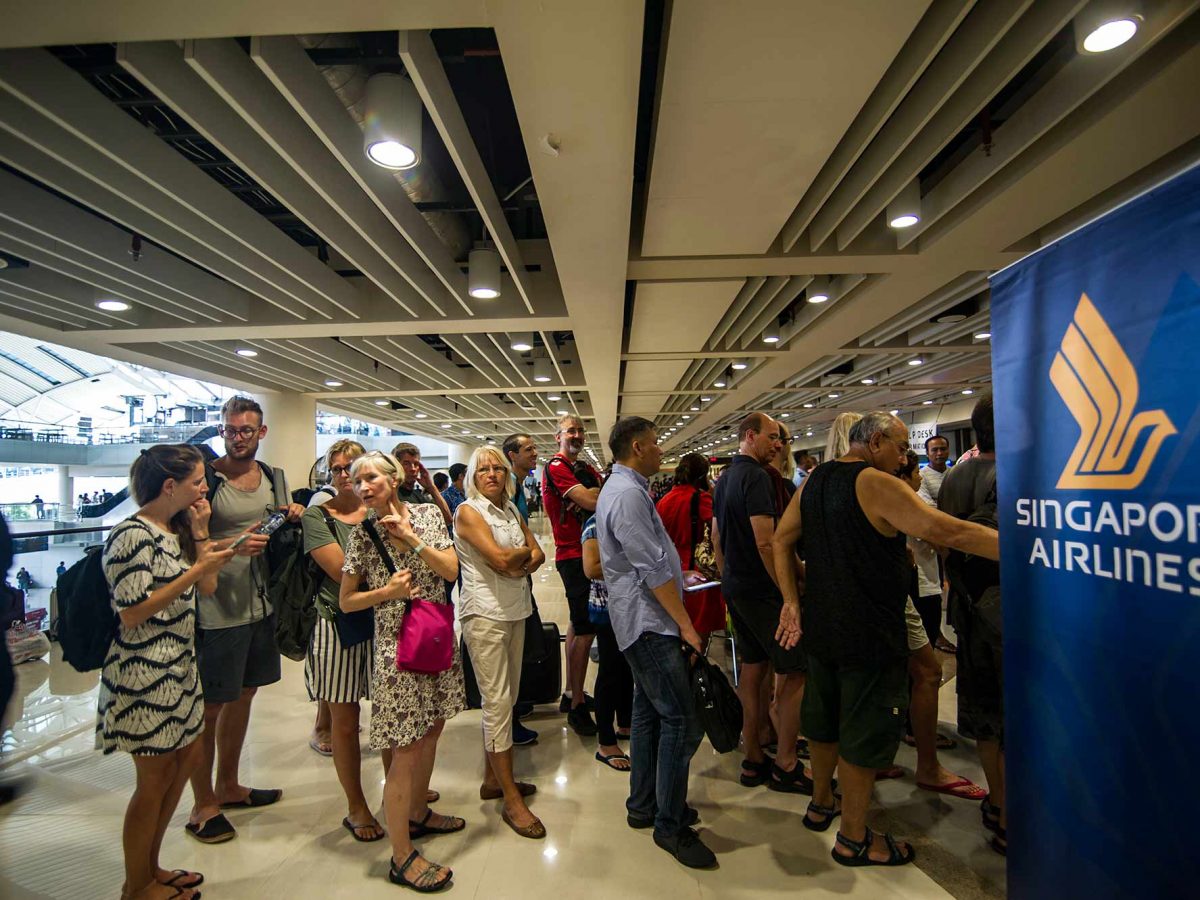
x=702, y=586
x=270, y=526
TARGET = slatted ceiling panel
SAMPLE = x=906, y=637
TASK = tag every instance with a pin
x=14, y=391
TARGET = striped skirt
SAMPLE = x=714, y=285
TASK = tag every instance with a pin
x=335, y=673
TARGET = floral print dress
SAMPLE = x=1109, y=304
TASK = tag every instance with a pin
x=405, y=705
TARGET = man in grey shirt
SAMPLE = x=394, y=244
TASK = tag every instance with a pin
x=235, y=633
x=645, y=605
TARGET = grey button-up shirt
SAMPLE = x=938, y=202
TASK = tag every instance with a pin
x=637, y=555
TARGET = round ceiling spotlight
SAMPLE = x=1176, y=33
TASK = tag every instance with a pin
x=392, y=128
x=541, y=370
x=771, y=333
x=112, y=305
x=246, y=351
x=382, y=402
x=522, y=341
x=420, y=416
x=739, y=366
x=1107, y=24
x=818, y=290
x=333, y=383
x=916, y=361
x=905, y=210
x=983, y=335
x=483, y=273
x=868, y=381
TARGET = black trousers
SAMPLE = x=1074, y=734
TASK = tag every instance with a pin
x=614, y=687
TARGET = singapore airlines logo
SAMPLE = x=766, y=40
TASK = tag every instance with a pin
x=1099, y=385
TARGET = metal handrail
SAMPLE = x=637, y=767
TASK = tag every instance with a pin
x=21, y=535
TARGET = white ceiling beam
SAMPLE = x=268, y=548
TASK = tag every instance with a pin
x=927, y=39
x=94, y=238
x=974, y=38
x=302, y=85
x=425, y=68
x=1081, y=78
x=75, y=293
x=161, y=66
x=446, y=392
x=1018, y=46
x=378, y=250
x=161, y=180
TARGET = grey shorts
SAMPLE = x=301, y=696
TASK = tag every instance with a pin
x=230, y=659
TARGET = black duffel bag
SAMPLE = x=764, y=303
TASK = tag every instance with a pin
x=717, y=704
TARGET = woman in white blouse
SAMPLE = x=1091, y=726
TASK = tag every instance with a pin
x=497, y=553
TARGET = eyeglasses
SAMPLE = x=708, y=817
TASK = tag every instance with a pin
x=488, y=470
x=246, y=431
x=339, y=470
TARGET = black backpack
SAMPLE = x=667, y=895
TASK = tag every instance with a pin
x=717, y=705
x=289, y=538
x=293, y=592
x=86, y=622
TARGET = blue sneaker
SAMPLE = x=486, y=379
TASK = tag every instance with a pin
x=522, y=736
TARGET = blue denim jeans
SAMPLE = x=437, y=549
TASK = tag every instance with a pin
x=666, y=732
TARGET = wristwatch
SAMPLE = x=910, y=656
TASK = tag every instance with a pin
x=421, y=545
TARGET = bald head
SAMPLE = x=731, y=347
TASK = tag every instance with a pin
x=759, y=437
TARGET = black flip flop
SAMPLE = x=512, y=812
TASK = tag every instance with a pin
x=256, y=797
x=216, y=830
x=353, y=829
x=177, y=874
x=608, y=761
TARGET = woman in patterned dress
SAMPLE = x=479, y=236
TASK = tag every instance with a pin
x=408, y=709
x=150, y=701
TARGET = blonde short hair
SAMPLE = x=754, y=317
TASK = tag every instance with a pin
x=344, y=447
x=383, y=463
x=473, y=465
x=789, y=461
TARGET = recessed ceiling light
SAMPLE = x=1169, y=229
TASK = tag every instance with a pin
x=895, y=412
x=808, y=406
x=983, y=335
x=927, y=403
x=808, y=434
x=695, y=408
x=1110, y=35
x=112, y=305
x=915, y=362
x=553, y=397
x=421, y=416
x=739, y=366
x=382, y=402
x=332, y=383
x=522, y=341
x=834, y=396
x=720, y=382
x=968, y=391
x=560, y=412
x=868, y=381
x=705, y=399
x=466, y=431
x=687, y=417
x=245, y=351
x=680, y=422
x=447, y=425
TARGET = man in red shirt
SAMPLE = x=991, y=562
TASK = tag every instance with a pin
x=568, y=501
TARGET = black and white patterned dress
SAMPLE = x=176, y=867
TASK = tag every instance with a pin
x=150, y=697
x=405, y=705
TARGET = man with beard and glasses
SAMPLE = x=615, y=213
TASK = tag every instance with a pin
x=569, y=500
x=235, y=633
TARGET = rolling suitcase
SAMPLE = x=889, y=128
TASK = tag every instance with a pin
x=541, y=678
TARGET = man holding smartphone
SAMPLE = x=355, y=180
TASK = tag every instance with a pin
x=235, y=630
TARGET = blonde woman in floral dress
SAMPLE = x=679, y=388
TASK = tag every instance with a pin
x=409, y=709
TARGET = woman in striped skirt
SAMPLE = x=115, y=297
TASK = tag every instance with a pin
x=150, y=701
x=337, y=669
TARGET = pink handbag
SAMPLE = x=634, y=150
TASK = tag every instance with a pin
x=425, y=643
x=426, y=640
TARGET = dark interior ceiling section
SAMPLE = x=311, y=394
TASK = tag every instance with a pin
x=476, y=72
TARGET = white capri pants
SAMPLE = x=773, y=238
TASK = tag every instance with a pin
x=496, y=648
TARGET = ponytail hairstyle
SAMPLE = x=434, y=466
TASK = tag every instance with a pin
x=150, y=472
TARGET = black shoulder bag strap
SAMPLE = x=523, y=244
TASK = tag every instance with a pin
x=697, y=534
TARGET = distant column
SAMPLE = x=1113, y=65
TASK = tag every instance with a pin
x=457, y=453
x=66, y=490
x=291, y=440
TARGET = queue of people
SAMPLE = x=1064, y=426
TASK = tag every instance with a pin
x=829, y=560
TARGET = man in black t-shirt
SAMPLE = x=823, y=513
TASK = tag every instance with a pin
x=744, y=513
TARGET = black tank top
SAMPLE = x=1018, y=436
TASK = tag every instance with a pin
x=857, y=579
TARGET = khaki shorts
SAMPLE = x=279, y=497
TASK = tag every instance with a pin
x=918, y=637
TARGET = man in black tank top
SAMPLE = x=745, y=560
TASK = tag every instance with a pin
x=854, y=515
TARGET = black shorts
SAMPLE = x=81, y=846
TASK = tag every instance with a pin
x=859, y=709
x=754, y=625
x=230, y=659
x=577, y=586
x=980, y=679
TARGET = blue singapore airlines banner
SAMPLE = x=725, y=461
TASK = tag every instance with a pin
x=1096, y=363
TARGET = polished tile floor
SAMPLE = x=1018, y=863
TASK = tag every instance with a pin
x=61, y=837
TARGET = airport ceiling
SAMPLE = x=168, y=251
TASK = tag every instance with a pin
x=665, y=182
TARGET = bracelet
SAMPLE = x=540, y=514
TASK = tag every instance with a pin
x=421, y=545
